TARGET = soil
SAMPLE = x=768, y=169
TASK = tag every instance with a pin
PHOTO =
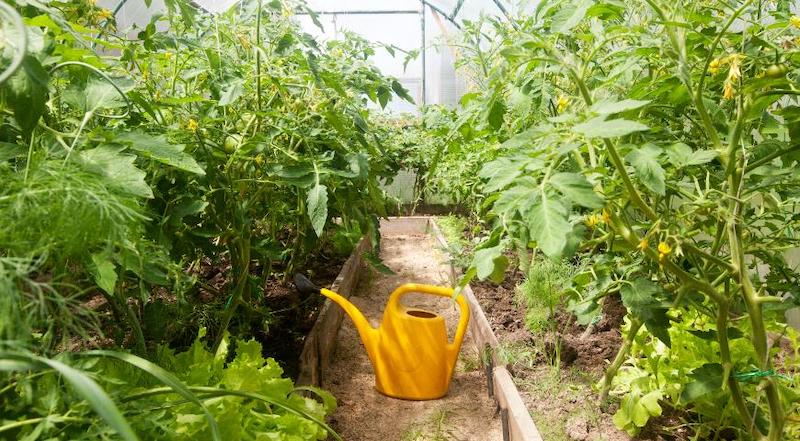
x=582, y=362
x=561, y=399
x=464, y=414
x=282, y=335
x=293, y=317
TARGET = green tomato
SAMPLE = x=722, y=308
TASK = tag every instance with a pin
x=243, y=122
x=231, y=142
x=776, y=71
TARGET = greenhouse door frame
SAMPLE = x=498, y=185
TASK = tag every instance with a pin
x=422, y=24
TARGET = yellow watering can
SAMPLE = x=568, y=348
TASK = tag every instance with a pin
x=409, y=351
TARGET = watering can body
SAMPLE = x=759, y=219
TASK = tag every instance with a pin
x=410, y=352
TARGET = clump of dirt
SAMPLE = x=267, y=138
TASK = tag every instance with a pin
x=506, y=317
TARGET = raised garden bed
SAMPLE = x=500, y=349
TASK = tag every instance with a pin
x=514, y=417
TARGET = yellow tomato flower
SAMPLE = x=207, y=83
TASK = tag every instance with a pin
x=592, y=220
x=643, y=244
x=713, y=66
x=191, y=125
x=167, y=55
x=105, y=14
x=728, y=92
x=735, y=72
x=244, y=41
x=260, y=159
x=795, y=21
x=663, y=250
x=562, y=103
x=606, y=216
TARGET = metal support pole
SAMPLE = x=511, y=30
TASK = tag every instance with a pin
x=423, y=49
x=505, y=12
x=356, y=12
x=449, y=18
x=456, y=10
x=118, y=7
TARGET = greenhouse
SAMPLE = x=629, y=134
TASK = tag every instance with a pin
x=406, y=220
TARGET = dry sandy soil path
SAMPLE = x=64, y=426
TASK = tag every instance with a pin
x=464, y=414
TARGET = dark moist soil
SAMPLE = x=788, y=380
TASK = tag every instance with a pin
x=294, y=315
x=279, y=317
x=508, y=322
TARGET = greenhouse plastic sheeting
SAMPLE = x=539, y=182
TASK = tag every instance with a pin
x=407, y=25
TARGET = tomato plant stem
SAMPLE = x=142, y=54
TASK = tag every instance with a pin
x=622, y=355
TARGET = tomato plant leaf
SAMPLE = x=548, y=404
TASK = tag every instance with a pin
x=578, y=189
x=104, y=273
x=359, y=165
x=681, y=155
x=570, y=15
x=118, y=167
x=299, y=175
x=401, y=91
x=648, y=170
x=231, y=92
x=599, y=127
x=517, y=198
x=642, y=299
x=26, y=93
x=102, y=95
x=610, y=107
x=496, y=114
x=375, y=262
x=157, y=148
x=500, y=173
x=317, y=201
x=704, y=380
x=549, y=226
x=491, y=263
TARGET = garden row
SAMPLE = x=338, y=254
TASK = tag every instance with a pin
x=652, y=148
x=160, y=188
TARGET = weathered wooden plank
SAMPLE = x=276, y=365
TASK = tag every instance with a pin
x=321, y=340
x=404, y=225
x=520, y=424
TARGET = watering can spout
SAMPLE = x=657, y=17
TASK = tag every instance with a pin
x=368, y=334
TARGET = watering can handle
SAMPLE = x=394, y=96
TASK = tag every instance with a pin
x=441, y=291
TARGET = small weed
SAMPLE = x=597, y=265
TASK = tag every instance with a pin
x=541, y=290
x=519, y=355
x=433, y=429
x=469, y=362
x=458, y=248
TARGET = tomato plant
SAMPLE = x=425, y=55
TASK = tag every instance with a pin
x=132, y=157
x=658, y=141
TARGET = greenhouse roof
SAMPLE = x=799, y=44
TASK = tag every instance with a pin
x=423, y=27
x=454, y=11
